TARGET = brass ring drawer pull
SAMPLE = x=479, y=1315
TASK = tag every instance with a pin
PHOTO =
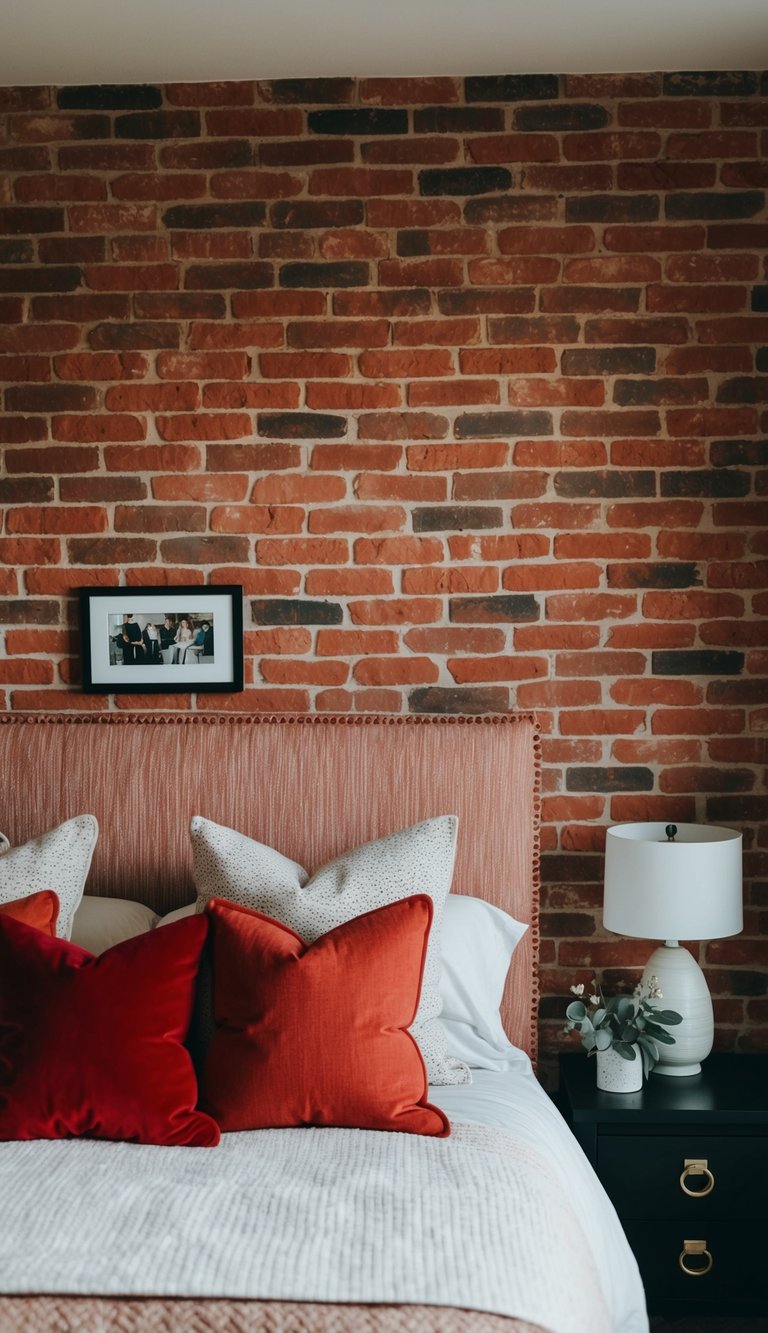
x=698, y=1248
x=696, y=1166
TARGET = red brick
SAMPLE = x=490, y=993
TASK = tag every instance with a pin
x=366, y=457
x=278, y=640
x=658, y=453
x=153, y=397
x=453, y=580
x=260, y=582
x=697, y=721
x=712, y=421
x=410, y=91
x=511, y=485
x=372, y=486
x=657, y=691
x=651, y=636
x=29, y=551
x=60, y=582
x=559, y=694
x=590, y=606
x=152, y=458
x=25, y=369
x=205, y=426
x=256, y=701
x=256, y=519
x=259, y=395
x=204, y=487
x=454, y=640
x=514, y=148
x=421, y=272
x=544, y=638
x=534, y=578
x=203, y=365
x=259, y=122
x=396, y=611
x=469, y=670
x=447, y=457
x=458, y=393
x=339, y=333
x=218, y=336
x=546, y=240
x=560, y=453
x=352, y=397
x=601, y=722
x=92, y=366
x=510, y=546
x=655, y=514
x=401, y=426
x=555, y=393
x=527, y=270
x=507, y=360
x=397, y=550
x=23, y=641
x=22, y=430
x=58, y=701
x=247, y=305
x=555, y=515
x=97, y=427
x=353, y=245
x=348, y=582
x=284, y=671
x=406, y=364
x=696, y=298
x=411, y=213
x=51, y=460
x=302, y=551
x=692, y=604
x=396, y=671
x=62, y=518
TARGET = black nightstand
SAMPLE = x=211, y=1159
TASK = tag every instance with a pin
x=685, y=1162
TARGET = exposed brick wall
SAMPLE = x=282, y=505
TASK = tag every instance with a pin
x=464, y=380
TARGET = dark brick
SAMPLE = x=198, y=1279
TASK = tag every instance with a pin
x=104, y=489
x=349, y=273
x=562, y=116
x=735, y=453
x=136, y=337
x=760, y=297
x=158, y=125
x=727, y=692
x=301, y=425
x=464, y=180
x=654, y=574
x=26, y=490
x=459, y=699
x=286, y=611
x=358, y=120
x=453, y=518
x=42, y=278
x=747, y=983
x=744, y=388
x=32, y=612
x=559, y=925
x=292, y=91
x=317, y=213
x=710, y=83
x=497, y=425
x=202, y=217
x=631, y=777
x=761, y=360
x=110, y=550
x=543, y=329
x=613, y=208
x=560, y=868
x=51, y=398
x=710, y=204
x=651, y=392
x=16, y=252
x=611, y=483
x=21, y=221
x=247, y=276
x=110, y=97
x=609, y=361
x=510, y=87
x=26, y=157
x=746, y=809
x=72, y=249
x=519, y=606
x=180, y=305
x=486, y=301
x=458, y=119
x=700, y=482
x=696, y=662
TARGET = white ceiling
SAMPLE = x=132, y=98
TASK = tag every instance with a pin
x=145, y=41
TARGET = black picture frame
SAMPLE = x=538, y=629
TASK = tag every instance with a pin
x=133, y=640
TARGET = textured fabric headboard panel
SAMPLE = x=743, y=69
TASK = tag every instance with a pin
x=309, y=786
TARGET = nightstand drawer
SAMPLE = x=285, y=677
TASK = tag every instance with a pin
x=738, y=1267
x=642, y=1174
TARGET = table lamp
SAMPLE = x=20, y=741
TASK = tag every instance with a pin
x=675, y=882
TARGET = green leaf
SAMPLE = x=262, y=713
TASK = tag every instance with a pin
x=576, y=1011
x=660, y=1034
x=667, y=1016
x=598, y=1017
x=625, y=1008
x=629, y=1033
x=603, y=1039
x=626, y=1051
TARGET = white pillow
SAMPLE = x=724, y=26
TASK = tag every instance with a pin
x=415, y=860
x=58, y=860
x=478, y=942
x=101, y=922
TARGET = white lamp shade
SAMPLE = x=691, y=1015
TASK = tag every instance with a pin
x=686, y=889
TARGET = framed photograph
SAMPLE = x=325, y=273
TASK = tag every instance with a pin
x=162, y=639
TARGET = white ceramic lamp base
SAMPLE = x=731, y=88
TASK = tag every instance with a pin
x=684, y=989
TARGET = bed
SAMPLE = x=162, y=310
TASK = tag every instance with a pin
x=503, y=1226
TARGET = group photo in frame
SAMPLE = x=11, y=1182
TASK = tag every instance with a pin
x=162, y=639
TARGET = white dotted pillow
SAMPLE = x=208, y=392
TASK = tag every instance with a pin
x=58, y=860
x=415, y=860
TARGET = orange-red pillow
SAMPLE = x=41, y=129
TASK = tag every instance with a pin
x=92, y=1047
x=40, y=910
x=317, y=1034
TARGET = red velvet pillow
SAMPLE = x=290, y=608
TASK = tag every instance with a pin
x=316, y=1034
x=40, y=910
x=92, y=1047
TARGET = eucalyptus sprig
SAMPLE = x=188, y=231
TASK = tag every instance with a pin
x=623, y=1022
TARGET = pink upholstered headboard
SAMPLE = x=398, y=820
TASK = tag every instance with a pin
x=309, y=786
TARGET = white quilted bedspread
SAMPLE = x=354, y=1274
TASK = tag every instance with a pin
x=476, y=1221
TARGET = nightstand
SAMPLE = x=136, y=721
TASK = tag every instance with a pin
x=685, y=1163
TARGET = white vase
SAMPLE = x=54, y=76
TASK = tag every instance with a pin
x=615, y=1074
